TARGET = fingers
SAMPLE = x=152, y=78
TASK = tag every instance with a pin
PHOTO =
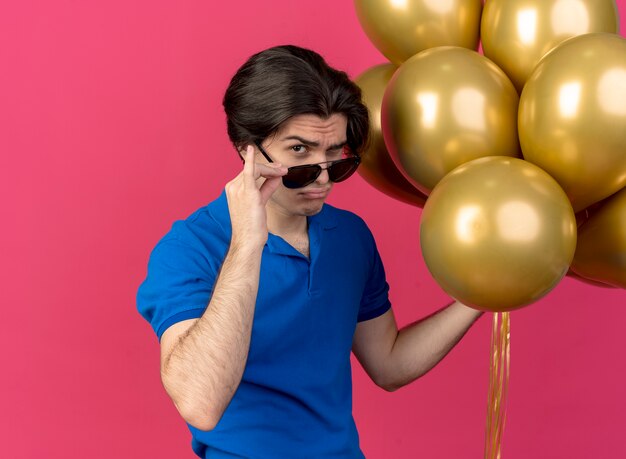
x=272, y=174
x=248, y=164
x=270, y=170
x=249, y=192
x=255, y=170
x=268, y=188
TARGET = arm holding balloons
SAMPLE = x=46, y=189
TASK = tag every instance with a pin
x=394, y=358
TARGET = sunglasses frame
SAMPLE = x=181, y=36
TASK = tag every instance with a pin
x=355, y=159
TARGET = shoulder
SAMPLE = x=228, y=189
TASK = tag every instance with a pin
x=205, y=224
x=344, y=220
x=347, y=230
x=206, y=233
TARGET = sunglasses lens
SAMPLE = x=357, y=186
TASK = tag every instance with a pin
x=301, y=176
x=338, y=171
x=343, y=169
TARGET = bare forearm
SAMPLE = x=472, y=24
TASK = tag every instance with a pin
x=421, y=345
x=205, y=366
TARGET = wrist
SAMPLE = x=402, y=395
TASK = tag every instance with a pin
x=245, y=247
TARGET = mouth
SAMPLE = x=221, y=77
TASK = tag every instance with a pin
x=315, y=193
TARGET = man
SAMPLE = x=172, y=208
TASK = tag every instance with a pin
x=259, y=297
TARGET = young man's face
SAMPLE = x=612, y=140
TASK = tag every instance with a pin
x=305, y=139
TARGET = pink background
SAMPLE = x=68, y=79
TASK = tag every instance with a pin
x=111, y=128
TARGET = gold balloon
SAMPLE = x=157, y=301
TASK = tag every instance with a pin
x=498, y=233
x=402, y=28
x=601, y=250
x=583, y=215
x=377, y=167
x=571, y=274
x=516, y=34
x=572, y=117
x=444, y=107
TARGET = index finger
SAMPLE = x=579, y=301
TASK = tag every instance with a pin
x=248, y=162
x=248, y=156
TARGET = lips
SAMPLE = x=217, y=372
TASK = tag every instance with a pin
x=318, y=193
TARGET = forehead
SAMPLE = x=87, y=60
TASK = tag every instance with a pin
x=315, y=128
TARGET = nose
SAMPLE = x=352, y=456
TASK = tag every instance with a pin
x=323, y=178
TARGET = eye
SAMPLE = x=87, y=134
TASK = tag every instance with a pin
x=335, y=154
x=299, y=148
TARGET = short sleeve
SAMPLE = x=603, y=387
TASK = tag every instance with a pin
x=375, y=300
x=178, y=285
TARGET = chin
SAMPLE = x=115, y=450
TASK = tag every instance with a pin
x=313, y=210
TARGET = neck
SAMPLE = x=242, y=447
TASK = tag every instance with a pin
x=282, y=224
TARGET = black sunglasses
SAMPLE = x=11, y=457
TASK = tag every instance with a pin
x=301, y=176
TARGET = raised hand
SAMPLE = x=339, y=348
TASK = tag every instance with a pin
x=247, y=197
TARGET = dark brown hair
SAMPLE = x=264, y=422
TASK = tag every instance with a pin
x=281, y=82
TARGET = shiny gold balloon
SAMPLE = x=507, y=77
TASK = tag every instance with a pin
x=572, y=117
x=601, y=250
x=377, y=167
x=516, y=34
x=444, y=107
x=498, y=233
x=571, y=274
x=583, y=215
x=402, y=28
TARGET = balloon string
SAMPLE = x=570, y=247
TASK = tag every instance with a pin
x=498, y=384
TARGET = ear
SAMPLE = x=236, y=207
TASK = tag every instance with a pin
x=241, y=150
x=244, y=146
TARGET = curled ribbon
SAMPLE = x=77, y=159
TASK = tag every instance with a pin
x=498, y=384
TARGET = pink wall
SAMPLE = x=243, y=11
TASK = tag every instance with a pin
x=111, y=128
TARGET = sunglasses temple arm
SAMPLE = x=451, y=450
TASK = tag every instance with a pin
x=263, y=152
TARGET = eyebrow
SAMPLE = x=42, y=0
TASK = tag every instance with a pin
x=311, y=143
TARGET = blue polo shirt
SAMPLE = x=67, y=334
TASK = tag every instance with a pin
x=295, y=397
